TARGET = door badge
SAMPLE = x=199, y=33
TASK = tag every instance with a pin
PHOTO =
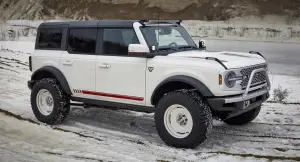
x=150, y=69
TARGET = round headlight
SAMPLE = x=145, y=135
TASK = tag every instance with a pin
x=229, y=79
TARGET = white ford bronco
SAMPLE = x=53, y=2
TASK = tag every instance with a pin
x=146, y=66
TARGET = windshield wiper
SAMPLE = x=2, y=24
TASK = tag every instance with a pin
x=192, y=47
x=168, y=48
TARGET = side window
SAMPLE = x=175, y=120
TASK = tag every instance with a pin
x=50, y=38
x=116, y=41
x=82, y=41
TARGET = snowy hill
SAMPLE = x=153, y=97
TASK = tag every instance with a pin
x=147, y=9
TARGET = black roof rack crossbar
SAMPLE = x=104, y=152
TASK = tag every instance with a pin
x=254, y=52
x=160, y=22
x=217, y=60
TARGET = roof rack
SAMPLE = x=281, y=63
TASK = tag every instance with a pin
x=144, y=22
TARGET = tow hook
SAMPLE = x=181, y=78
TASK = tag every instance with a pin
x=246, y=104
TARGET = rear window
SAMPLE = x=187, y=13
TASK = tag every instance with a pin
x=50, y=38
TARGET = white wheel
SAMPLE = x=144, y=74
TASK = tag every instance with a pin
x=44, y=101
x=183, y=119
x=178, y=121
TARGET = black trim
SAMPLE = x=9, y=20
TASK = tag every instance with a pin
x=57, y=74
x=218, y=104
x=217, y=60
x=30, y=63
x=142, y=55
x=108, y=104
x=185, y=79
x=254, y=52
x=30, y=84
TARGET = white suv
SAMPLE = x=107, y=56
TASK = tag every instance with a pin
x=145, y=66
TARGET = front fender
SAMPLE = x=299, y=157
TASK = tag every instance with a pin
x=188, y=80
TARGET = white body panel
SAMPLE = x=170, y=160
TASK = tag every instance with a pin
x=123, y=76
x=79, y=70
x=41, y=58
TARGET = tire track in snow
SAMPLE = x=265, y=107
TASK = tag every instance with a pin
x=19, y=117
x=77, y=157
x=296, y=158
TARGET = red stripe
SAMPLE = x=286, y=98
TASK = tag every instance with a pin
x=112, y=95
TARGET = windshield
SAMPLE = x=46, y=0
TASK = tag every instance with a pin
x=167, y=37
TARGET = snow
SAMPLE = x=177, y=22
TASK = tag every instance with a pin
x=251, y=28
x=99, y=134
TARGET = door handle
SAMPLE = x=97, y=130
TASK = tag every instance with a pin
x=104, y=65
x=67, y=63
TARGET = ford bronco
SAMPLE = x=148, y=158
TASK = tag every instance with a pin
x=147, y=66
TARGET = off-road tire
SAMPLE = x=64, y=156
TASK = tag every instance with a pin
x=61, y=101
x=200, y=112
x=244, y=118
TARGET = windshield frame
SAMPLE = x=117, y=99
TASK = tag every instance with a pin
x=186, y=36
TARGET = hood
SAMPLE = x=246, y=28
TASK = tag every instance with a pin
x=229, y=59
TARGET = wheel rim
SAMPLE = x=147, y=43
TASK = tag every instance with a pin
x=44, y=101
x=178, y=121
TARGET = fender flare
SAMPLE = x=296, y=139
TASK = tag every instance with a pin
x=57, y=74
x=188, y=80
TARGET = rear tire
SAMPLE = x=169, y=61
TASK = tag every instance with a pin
x=49, y=102
x=244, y=118
x=183, y=119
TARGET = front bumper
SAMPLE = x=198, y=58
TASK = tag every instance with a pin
x=251, y=98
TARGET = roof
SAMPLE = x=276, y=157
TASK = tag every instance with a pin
x=106, y=23
x=93, y=23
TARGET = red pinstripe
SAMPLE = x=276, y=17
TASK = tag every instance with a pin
x=109, y=95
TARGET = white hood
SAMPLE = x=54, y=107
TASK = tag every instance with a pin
x=229, y=59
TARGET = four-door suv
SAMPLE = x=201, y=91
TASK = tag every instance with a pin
x=145, y=66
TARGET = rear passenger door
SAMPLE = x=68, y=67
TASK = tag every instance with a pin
x=119, y=78
x=78, y=61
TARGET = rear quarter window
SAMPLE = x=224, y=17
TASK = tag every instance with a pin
x=50, y=38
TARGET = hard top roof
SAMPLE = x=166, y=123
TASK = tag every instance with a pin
x=92, y=23
x=102, y=23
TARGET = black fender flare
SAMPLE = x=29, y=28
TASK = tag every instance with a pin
x=57, y=74
x=188, y=80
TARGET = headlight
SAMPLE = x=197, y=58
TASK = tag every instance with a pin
x=230, y=79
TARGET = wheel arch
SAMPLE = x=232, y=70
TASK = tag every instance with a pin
x=182, y=82
x=52, y=72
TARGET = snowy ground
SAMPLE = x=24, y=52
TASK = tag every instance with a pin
x=251, y=28
x=99, y=134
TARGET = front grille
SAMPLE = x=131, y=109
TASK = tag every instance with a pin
x=259, y=78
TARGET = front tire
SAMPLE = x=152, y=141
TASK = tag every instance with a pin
x=244, y=118
x=49, y=102
x=183, y=119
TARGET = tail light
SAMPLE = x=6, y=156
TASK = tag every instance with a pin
x=30, y=65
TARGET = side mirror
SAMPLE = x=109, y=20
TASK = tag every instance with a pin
x=138, y=50
x=202, y=44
